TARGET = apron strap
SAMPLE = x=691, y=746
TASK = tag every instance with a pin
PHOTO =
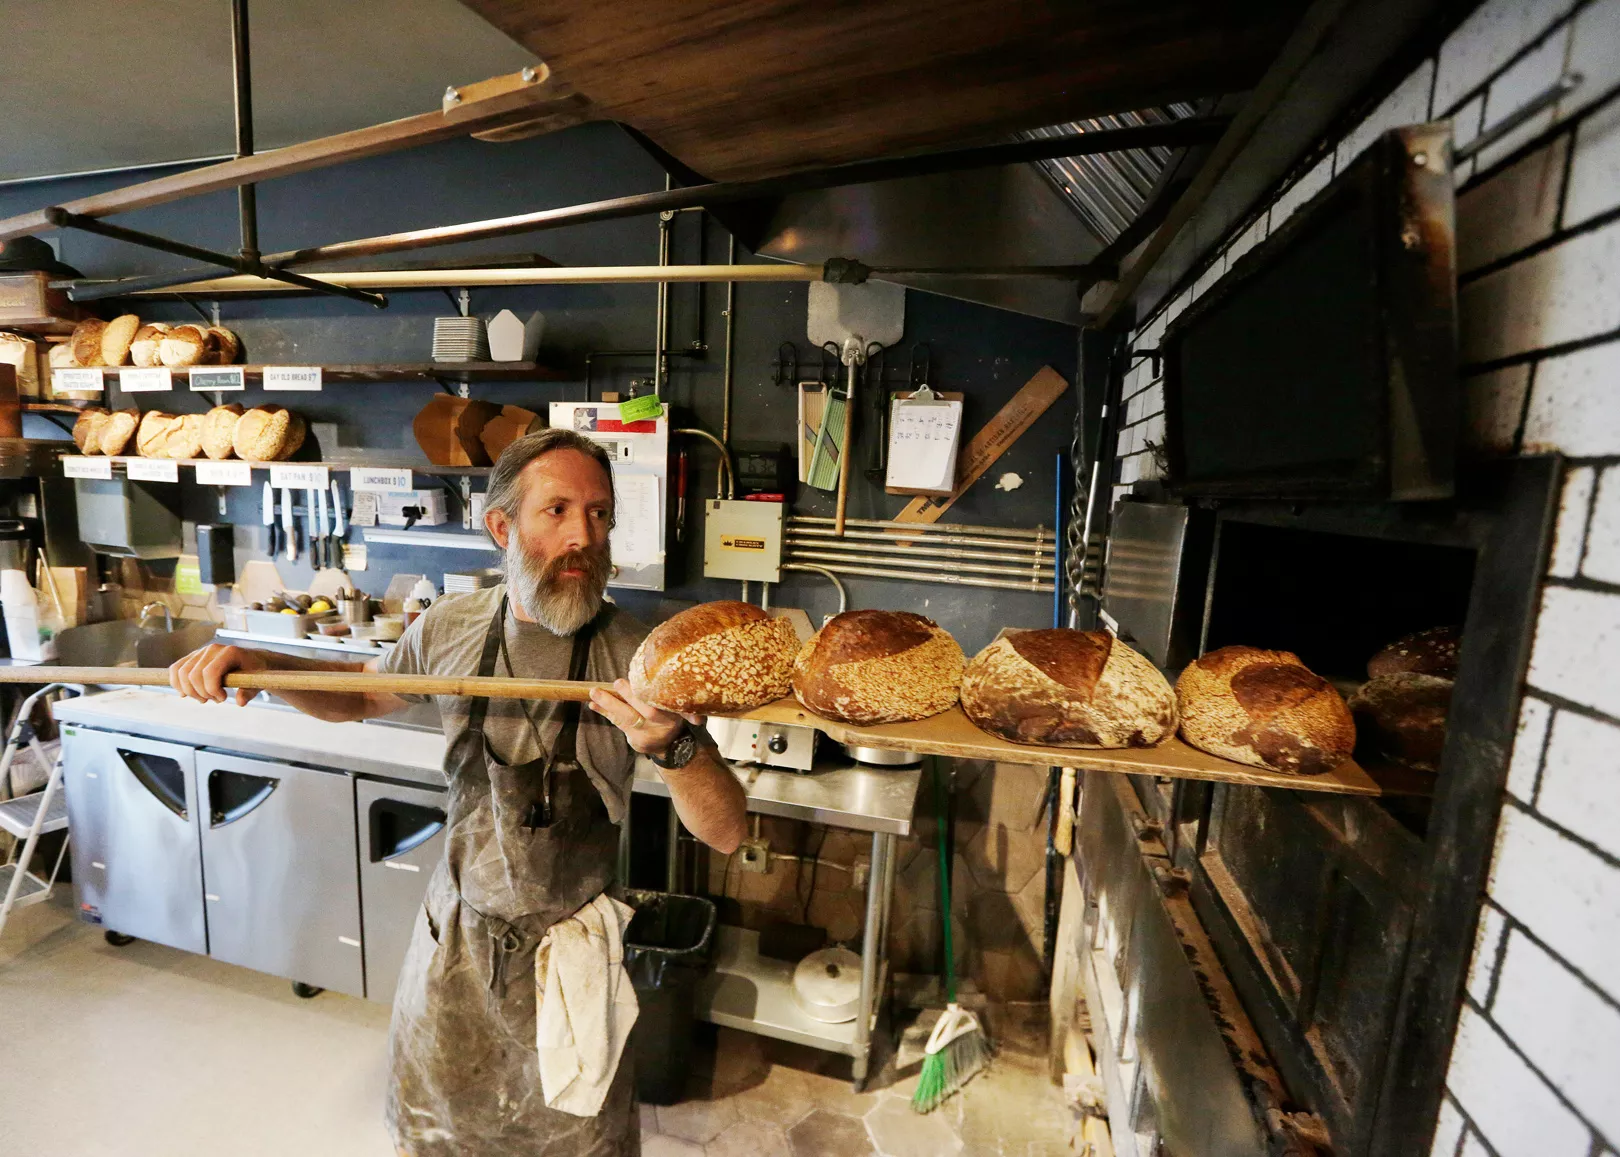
x=565, y=748
x=493, y=638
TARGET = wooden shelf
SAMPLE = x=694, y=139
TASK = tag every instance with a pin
x=415, y=467
x=396, y=372
x=951, y=733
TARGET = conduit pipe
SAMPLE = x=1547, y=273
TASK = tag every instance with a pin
x=728, y=473
x=949, y=578
x=843, y=595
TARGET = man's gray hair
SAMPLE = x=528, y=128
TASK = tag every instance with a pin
x=506, y=479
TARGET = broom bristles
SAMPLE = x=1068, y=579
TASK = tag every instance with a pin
x=945, y=1072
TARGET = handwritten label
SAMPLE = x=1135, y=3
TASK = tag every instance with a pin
x=77, y=379
x=224, y=474
x=640, y=409
x=152, y=470
x=74, y=466
x=292, y=377
x=218, y=378
x=372, y=478
x=299, y=477
x=145, y=380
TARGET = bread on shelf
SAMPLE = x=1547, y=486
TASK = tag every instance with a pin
x=225, y=348
x=1265, y=709
x=184, y=345
x=174, y=436
x=116, y=339
x=61, y=356
x=1065, y=688
x=268, y=434
x=1402, y=718
x=119, y=431
x=86, y=342
x=219, y=429
x=868, y=667
x=715, y=658
x=1430, y=652
x=143, y=348
x=90, y=425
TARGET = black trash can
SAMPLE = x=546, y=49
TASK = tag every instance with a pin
x=666, y=951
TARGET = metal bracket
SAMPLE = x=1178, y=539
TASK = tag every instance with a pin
x=1156, y=354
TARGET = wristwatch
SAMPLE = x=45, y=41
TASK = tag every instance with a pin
x=680, y=751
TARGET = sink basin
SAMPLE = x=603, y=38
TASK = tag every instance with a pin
x=122, y=643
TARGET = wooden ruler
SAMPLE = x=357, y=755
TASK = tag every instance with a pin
x=992, y=441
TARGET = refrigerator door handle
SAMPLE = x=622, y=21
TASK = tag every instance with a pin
x=232, y=795
x=159, y=775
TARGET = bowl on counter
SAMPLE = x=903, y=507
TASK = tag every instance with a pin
x=387, y=627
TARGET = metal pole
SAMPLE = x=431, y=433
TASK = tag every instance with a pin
x=247, y=207
x=726, y=368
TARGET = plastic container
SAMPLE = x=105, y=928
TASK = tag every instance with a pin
x=666, y=952
x=28, y=634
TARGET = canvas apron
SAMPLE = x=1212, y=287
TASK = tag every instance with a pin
x=526, y=846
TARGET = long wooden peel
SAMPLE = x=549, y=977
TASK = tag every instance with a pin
x=950, y=733
x=483, y=686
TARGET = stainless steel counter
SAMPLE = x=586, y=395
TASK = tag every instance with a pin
x=840, y=795
x=406, y=753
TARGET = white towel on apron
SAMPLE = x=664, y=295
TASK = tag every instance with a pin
x=586, y=1005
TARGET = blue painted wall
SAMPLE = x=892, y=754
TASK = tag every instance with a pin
x=988, y=354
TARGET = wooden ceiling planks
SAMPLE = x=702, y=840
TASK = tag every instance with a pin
x=756, y=88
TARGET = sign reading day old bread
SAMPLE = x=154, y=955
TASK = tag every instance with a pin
x=218, y=378
x=152, y=379
x=153, y=470
x=224, y=474
x=292, y=377
x=74, y=466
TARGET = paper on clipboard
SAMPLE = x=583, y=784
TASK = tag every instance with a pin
x=923, y=437
x=638, y=520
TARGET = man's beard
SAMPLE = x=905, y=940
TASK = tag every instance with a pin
x=561, y=605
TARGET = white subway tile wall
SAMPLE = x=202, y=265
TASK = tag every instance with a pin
x=1535, y=1067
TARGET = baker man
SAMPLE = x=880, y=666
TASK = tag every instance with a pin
x=537, y=791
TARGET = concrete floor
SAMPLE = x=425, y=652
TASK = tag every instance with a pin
x=144, y=1050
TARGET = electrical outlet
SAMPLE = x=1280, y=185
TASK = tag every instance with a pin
x=755, y=855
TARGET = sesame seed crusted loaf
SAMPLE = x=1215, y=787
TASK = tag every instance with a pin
x=715, y=659
x=1065, y=688
x=1430, y=652
x=866, y=667
x=1265, y=709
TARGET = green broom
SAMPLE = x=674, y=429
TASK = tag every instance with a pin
x=956, y=1048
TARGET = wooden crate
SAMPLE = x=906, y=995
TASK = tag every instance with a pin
x=27, y=301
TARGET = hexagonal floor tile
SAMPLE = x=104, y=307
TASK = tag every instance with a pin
x=825, y=1134
x=900, y=1131
x=1004, y=858
x=659, y=1145
x=750, y=1139
x=699, y=1121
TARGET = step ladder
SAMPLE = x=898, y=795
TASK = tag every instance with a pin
x=29, y=817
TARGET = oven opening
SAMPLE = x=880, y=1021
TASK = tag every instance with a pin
x=1335, y=600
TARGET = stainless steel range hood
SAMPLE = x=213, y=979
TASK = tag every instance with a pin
x=1061, y=212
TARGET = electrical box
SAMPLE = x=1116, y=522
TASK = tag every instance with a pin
x=639, y=450
x=768, y=744
x=743, y=540
x=764, y=468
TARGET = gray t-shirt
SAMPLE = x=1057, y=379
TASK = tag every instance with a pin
x=448, y=639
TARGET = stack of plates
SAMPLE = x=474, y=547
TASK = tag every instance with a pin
x=462, y=582
x=459, y=339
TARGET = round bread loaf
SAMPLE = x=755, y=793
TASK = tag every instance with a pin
x=119, y=431
x=1265, y=709
x=296, y=430
x=1064, y=688
x=1402, y=718
x=61, y=356
x=866, y=667
x=219, y=428
x=116, y=339
x=88, y=428
x=267, y=433
x=143, y=348
x=715, y=659
x=1430, y=652
x=225, y=348
x=151, y=436
x=87, y=341
x=184, y=345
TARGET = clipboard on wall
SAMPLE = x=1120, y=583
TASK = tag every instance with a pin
x=925, y=434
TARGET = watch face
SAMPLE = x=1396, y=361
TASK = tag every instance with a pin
x=680, y=752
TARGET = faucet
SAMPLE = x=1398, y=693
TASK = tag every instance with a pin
x=168, y=616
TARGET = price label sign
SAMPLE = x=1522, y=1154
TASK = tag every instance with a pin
x=77, y=379
x=153, y=470
x=299, y=477
x=372, y=478
x=218, y=378
x=75, y=466
x=224, y=474
x=292, y=377
x=640, y=409
x=136, y=381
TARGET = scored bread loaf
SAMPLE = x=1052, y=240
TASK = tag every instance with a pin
x=116, y=339
x=86, y=342
x=143, y=347
x=1264, y=709
x=715, y=658
x=867, y=667
x=1064, y=688
x=184, y=345
x=119, y=430
x=88, y=428
x=267, y=434
x=1430, y=652
x=1402, y=718
x=163, y=435
x=225, y=347
x=219, y=428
